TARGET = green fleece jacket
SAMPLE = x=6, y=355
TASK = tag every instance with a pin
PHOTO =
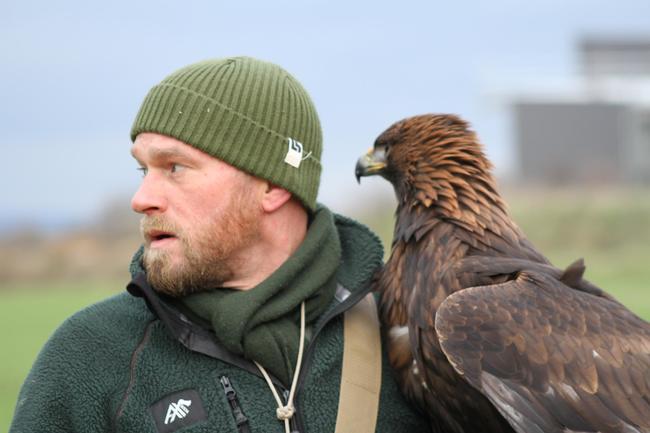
x=138, y=364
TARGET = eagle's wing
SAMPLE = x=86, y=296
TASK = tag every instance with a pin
x=551, y=359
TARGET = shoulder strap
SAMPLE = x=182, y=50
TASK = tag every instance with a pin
x=361, y=372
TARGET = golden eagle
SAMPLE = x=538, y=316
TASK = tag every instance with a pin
x=484, y=333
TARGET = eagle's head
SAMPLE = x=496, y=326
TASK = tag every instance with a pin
x=435, y=161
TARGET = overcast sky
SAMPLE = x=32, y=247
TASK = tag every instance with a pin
x=73, y=73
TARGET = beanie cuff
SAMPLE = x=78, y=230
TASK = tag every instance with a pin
x=199, y=121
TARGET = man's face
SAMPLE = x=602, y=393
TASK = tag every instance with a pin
x=199, y=215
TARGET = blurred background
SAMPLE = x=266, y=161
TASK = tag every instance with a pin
x=558, y=91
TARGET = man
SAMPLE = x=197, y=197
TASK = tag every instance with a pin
x=233, y=320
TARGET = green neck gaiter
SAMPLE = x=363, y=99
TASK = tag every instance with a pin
x=262, y=324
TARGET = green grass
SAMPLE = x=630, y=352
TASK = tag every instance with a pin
x=28, y=315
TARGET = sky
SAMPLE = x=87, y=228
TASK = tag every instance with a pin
x=73, y=73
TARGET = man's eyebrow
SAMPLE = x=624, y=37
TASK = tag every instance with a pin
x=157, y=154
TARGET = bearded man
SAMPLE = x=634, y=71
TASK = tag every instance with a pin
x=233, y=321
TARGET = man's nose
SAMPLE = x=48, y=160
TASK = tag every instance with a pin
x=149, y=197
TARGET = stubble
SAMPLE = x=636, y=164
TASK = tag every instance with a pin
x=207, y=250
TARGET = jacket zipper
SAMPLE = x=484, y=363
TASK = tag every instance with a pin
x=240, y=419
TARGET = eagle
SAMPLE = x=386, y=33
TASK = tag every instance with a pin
x=483, y=332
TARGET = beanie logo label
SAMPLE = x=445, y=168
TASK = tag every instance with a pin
x=294, y=153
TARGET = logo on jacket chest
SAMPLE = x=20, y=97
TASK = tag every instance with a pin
x=177, y=410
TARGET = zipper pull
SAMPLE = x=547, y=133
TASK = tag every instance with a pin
x=233, y=401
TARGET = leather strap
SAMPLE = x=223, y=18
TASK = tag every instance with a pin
x=361, y=371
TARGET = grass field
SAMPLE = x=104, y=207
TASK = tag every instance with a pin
x=28, y=315
x=611, y=231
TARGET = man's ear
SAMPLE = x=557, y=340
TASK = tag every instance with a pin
x=274, y=197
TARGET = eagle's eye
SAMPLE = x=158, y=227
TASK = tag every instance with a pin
x=380, y=150
x=383, y=150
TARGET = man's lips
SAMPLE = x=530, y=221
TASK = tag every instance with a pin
x=158, y=236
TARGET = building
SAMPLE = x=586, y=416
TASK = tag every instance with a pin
x=597, y=133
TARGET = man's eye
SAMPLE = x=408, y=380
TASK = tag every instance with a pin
x=142, y=170
x=177, y=167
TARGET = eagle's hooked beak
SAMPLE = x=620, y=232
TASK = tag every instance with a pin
x=373, y=162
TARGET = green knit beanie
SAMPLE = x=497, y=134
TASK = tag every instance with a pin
x=246, y=112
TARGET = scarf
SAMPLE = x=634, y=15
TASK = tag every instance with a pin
x=262, y=324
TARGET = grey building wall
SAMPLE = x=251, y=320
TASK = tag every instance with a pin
x=637, y=153
x=600, y=57
x=564, y=143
